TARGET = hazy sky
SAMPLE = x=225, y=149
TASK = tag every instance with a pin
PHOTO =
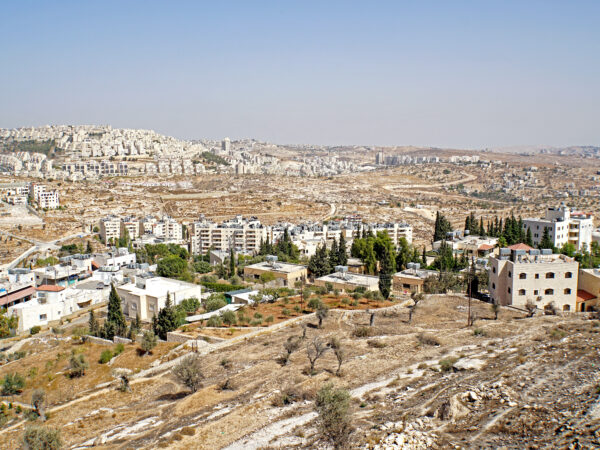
x=465, y=74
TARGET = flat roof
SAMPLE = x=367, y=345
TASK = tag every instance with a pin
x=157, y=286
x=277, y=267
x=350, y=278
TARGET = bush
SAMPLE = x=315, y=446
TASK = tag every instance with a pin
x=478, y=332
x=427, y=339
x=256, y=322
x=269, y=319
x=214, y=321
x=286, y=312
x=12, y=384
x=119, y=348
x=105, y=356
x=58, y=330
x=222, y=287
x=314, y=303
x=189, y=372
x=35, y=330
x=77, y=366
x=333, y=406
x=41, y=438
x=376, y=343
x=202, y=267
x=258, y=315
x=214, y=302
x=229, y=318
x=361, y=332
x=149, y=341
x=447, y=364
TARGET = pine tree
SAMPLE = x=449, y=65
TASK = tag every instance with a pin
x=334, y=254
x=529, y=238
x=231, y=262
x=342, y=255
x=88, y=249
x=481, y=228
x=93, y=324
x=385, y=273
x=424, y=257
x=115, y=314
x=167, y=319
x=546, y=241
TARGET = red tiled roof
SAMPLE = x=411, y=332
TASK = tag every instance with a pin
x=17, y=295
x=95, y=265
x=485, y=247
x=520, y=246
x=50, y=288
x=583, y=296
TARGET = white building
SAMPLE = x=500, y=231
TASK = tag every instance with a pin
x=147, y=295
x=52, y=304
x=538, y=276
x=238, y=233
x=110, y=228
x=564, y=226
x=117, y=258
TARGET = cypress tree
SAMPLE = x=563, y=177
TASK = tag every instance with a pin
x=231, y=262
x=167, y=319
x=334, y=254
x=342, y=255
x=115, y=314
x=93, y=324
x=385, y=273
x=529, y=238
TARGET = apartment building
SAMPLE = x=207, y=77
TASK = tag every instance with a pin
x=44, y=199
x=538, y=276
x=147, y=295
x=411, y=280
x=564, y=226
x=132, y=225
x=110, y=228
x=239, y=233
x=285, y=274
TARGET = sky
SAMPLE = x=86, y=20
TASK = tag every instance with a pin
x=453, y=74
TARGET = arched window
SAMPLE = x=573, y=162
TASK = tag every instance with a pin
x=567, y=291
x=549, y=292
x=568, y=275
x=522, y=276
x=566, y=308
x=549, y=274
x=493, y=285
x=521, y=291
x=509, y=274
x=493, y=269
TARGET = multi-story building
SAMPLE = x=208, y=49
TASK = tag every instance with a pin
x=238, y=233
x=564, y=226
x=110, y=228
x=517, y=277
x=44, y=199
x=132, y=225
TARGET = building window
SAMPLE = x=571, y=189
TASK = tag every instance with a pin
x=43, y=317
x=568, y=275
x=536, y=292
x=493, y=270
x=537, y=275
x=509, y=274
x=567, y=291
x=549, y=274
x=566, y=308
x=549, y=292
x=493, y=285
x=521, y=291
x=509, y=290
x=522, y=276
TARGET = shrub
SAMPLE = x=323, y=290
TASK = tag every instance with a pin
x=214, y=302
x=214, y=321
x=314, y=303
x=557, y=334
x=12, y=384
x=149, y=341
x=269, y=319
x=229, y=318
x=58, y=330
x=77, y=365
x=105, y=356
x=285, y=312
x=333, y=406
x=119, y=348
x=447, y=364
x=427, y=339
x=363, y=332
x=256, y=322
x=345, y=301
x=189, y=372
x=478, y=332
x=42, y=438
x=35, y=330
x=297, y=309
x=258, y=315
x=376, y=343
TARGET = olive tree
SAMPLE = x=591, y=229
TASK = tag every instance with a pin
x=189, y=372
x=333, y=421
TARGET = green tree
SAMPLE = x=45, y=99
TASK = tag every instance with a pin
x=385, y=273
x=13, y=383
x=441, y=228
x=231, y=262
x=529, y=238
x=266, y=278
x=93, y=324
x=546, y=241
x=7, y=323
x=115, y=324
x=167, y=320
x=149, y=341
x=38, y=437
x=173, y=266
x=77, y=365
x=189, y=372
x=334, y=419
x=342, y=255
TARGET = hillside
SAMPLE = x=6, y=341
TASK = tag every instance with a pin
x=432, y=383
